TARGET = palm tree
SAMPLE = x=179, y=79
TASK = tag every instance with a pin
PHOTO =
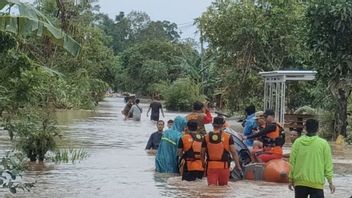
x=29, y=21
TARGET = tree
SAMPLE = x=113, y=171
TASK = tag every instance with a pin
x=150, y=62
x=32, y=21
x=158, y=30
x=250, y=36
x=329, y=25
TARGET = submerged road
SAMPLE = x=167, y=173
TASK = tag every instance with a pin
x=118, y=166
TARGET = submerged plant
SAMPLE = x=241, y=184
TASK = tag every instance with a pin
x=34, y=132
x=67, y=155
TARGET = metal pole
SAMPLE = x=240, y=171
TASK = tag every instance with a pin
x=277, y=98
x=270, y=94
x=265, y=93
x=283, y=98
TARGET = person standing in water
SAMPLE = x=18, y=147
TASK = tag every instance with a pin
x=127, y=108
x=154, y=139
x=311, y=163
x=189, y=150
x=156, y=107
x=169, y=124
x=294, y=135
x=166, y=160
x=220, y=150
x=201, y=115
x=135, y=111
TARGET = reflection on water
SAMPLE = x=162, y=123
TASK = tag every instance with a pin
x=118, y=166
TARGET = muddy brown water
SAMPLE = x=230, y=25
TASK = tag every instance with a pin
x=118, y=166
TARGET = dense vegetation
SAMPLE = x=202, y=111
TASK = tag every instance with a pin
x=252, y=36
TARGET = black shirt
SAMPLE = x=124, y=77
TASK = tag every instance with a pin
x=180, y=144
x=154, y=140
x=268, y=129
x=156, y=106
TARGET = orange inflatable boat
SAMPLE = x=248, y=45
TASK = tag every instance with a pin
x=273, y=171
x=276, y=171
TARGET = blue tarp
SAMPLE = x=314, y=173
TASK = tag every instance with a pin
x=166, y=160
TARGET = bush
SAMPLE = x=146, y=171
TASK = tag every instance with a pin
x=181, y=95
x=11, y=167
x=306, y=110
x=33, y=131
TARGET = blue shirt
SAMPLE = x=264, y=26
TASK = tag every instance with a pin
x=250, y=124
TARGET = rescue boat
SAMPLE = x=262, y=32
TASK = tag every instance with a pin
x=273, y=171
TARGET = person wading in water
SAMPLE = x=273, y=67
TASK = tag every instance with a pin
x=220, y=150
x=156, y=107
x=189, y=150
x=201, y=115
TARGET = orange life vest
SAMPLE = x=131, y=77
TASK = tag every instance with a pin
x=218, y=150
x=199, y=118
x=192, y=146
x=274, y=141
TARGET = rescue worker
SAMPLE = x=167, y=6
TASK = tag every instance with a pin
x=219, y=148
x=189, y=149
x=201, y=115
x=273, y=136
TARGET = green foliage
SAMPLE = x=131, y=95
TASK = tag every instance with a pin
x=330, y=29
x=68, y=155
x=34, y=132
x=150, y=62
x=247, y=37
x=329, y=25
x=181, y=95
x=349, y=137
x=7, y=42
x=157, y=88
x=134, y=28
x=32, y=21
x=306, y=110
x=11, y=167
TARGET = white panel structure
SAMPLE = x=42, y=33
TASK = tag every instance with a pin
x=275, y=88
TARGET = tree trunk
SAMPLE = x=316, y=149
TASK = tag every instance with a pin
x=342, y=113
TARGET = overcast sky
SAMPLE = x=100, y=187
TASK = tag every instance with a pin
x=181, y=12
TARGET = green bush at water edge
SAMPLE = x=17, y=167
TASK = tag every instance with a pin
x=181, y=95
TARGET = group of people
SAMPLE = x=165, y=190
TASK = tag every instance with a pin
x=310, y=157
x=187, y=148
x=132, y=110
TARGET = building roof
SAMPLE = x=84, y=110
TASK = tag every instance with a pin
x=290, y=75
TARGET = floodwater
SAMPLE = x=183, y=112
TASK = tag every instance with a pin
x=118, y=166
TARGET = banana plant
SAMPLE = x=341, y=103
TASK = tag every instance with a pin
x=29, y=21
